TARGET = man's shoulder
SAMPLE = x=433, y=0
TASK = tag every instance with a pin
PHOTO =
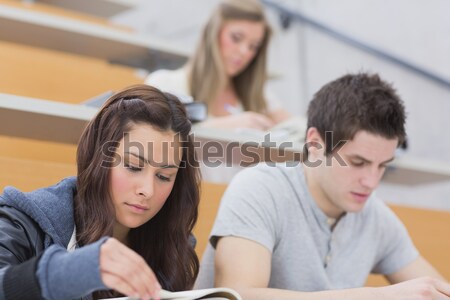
x=267, y=179
x=269, y=172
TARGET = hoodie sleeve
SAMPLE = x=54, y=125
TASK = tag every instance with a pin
x=68, y=275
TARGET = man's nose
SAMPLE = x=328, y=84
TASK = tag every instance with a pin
x=371, y=178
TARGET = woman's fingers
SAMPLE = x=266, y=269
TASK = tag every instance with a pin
x=263, y=122
x=122, y=268
x=124, y=271
x=117, y=283
x=254, y=120
x=137, y=262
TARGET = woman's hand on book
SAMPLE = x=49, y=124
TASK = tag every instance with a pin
x=125, y=271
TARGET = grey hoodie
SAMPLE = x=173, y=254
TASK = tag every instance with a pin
x=61, y=274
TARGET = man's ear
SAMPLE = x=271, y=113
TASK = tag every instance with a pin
x=314, y=141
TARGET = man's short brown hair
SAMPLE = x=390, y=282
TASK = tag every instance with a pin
x=357, y=102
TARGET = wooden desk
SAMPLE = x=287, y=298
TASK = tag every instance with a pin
x=53, y=75
x=71, y=35
x=29, y=175
x=43, y=120
x=209, y=204
x=409, y=170
x=49, y=7
x=430, y=232
x=49, y=74
x=40, y=151
x=405, y=170
x=101, y=8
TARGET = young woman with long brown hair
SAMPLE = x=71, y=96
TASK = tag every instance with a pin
x=123, y=225
x=228, y=69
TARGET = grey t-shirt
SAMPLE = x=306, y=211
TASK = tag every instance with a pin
x=272, y=206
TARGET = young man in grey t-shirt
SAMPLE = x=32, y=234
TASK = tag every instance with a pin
x=315, y=230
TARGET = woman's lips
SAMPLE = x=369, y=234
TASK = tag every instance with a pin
x=137, y=208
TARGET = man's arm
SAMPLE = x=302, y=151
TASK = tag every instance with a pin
x=246, y=265
x=418, y=268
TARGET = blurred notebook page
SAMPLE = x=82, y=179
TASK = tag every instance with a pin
x=291, y=130
x=211, y=294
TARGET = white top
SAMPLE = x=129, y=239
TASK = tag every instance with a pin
x=73, y=241
x=175, y=82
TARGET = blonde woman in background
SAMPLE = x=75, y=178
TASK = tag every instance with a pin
x=228, y=69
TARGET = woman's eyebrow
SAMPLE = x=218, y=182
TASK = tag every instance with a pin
x=162, y=166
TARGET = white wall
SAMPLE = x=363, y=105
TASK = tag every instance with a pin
x=416, y=31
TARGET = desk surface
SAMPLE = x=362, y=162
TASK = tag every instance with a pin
x=63, y=77
x=101, y=8
x=37, y=150
x=29, y=175
x=62, y=122
x=39, y=29
x=43, y=120
x=51, y=7
x=405, y=169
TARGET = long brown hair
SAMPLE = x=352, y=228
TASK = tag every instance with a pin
x=164, y=241
x=206, y=72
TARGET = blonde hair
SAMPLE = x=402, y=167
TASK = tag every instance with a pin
x=206, y=72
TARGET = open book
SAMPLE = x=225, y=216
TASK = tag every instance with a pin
x=211, y=294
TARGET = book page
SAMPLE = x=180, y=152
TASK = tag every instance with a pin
x=214, y=293
x=291, y=130
x=211, y=294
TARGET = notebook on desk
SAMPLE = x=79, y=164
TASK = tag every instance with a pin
x=291, y=130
